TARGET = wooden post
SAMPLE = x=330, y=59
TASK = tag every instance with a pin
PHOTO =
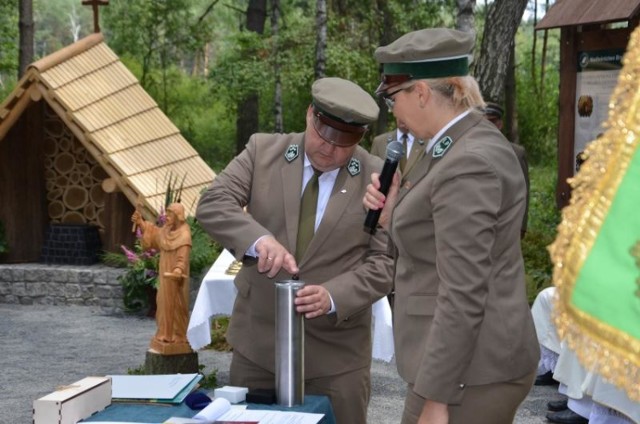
x=95, y=4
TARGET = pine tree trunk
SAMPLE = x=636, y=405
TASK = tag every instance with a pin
x=26, y=36
x=387, y=35
x=321, y=39
x=277, y=97
x=247, y=122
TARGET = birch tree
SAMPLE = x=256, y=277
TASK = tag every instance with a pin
x=502, y=22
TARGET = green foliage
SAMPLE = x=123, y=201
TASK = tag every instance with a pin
x=4, y=245
x=158, y=33
x=204, y=250
x=173, y=192
x=219, y=327
x=59, y=23
x=141, y=277
x=137, y=371
x=8, y=46
x=542, y=228
x=113, y=259
x=205, y=119
x=209, y=381
x=537, y=101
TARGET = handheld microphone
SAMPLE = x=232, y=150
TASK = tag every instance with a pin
x=395, y=151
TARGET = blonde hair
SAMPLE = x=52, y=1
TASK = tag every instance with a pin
x=462, y=92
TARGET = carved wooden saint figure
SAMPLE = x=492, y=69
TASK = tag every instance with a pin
x=173, y=240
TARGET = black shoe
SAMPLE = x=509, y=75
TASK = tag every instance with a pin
x=545, y=379
x=557, y=405
x=566, y=417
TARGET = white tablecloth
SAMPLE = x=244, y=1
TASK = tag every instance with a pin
x=217, y=294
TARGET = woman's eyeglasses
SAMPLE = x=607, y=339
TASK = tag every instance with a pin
x=388, y=98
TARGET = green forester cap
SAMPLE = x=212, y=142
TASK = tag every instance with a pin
x=427, y=53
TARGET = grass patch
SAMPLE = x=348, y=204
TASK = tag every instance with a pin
x=219, y=328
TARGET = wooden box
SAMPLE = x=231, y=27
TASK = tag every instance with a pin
x=72, y=403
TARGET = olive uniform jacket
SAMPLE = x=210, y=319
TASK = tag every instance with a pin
x=461, y=315
x=352, y=264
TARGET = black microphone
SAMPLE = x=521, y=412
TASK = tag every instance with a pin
x=395, y=151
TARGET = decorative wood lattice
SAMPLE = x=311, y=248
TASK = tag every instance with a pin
x=73, y=177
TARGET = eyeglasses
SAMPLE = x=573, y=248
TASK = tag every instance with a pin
x=388, y=97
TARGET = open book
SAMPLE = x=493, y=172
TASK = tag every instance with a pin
x=220, y=411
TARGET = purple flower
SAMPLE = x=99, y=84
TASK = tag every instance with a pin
x=150, y=253
x=162, y=219
x=131, y=256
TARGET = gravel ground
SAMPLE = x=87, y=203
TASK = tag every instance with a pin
x=42, y=347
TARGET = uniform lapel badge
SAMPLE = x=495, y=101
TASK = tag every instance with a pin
x=293, y=151
x=353, y=167
x=441, y=147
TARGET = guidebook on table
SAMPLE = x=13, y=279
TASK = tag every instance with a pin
x=162, y=388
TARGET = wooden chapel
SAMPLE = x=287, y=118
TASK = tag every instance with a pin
x=81, y=144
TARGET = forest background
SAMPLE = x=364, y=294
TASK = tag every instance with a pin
x=224, y=69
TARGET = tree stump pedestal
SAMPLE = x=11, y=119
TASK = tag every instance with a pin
x=182, y=363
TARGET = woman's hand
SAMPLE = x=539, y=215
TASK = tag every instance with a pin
x=374, y=199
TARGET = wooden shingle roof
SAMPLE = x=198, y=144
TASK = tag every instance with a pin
x=565, y=13
x=117, y=121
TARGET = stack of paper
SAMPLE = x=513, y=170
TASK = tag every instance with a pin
x=220, y=411
x=163, y=388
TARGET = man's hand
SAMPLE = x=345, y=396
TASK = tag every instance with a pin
x=434, y=413
x=313, y=301
x=272, y=256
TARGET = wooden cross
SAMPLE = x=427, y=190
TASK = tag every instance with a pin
x=95, y=4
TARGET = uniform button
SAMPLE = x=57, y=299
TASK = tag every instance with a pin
x=461, y=386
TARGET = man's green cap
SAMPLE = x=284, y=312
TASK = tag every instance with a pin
x=423, y=54
x=342, y=111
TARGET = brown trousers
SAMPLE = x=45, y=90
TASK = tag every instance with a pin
x=349, y=392
x=494, y=403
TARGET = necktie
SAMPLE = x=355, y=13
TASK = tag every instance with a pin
x=403, y=160
x=307, y=220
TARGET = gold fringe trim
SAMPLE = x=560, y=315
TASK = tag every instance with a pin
x=599, y=347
